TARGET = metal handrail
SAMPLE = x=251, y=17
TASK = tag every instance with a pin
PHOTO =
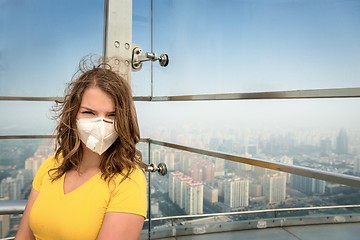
x=8, y=207
x=12, y=206
x=30, y=99
x=295, y=94
x=273, y=210
x=27, y=136
x=291, y=94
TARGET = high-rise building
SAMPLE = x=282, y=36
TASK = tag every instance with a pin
x=44, y=150
x=24, y=177
x=180, y=186
x=184, y=163
x=194, y=192
x=158, y=156
x=169, y=160
x=259, y=171
x=219, y=183
x=33, y=164
x=274, y=188
x=342, y=142
x=172, y=184
x=178, y=182
x=236, y=192
x=4, y=225
x=10, y=188
x=357, y=165
x=308, y=185
x=211, y=194
x=289, y=161
x=219, y=167
x=155, y=209
x=208, y=172
x=196, y=171
x=325, y=146
x=255, y=190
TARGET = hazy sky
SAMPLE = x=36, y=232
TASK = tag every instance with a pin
x=41, y=43
x=251, y=46
x=214, y=47
x=260, y=45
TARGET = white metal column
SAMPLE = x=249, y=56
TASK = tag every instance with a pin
x=118, y=35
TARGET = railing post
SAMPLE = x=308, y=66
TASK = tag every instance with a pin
x=149, y=192
x=118, y=36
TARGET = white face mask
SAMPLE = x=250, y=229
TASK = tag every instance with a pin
x=98, y=134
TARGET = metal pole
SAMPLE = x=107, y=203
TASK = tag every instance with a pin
x=118, y=36
x=149, y=192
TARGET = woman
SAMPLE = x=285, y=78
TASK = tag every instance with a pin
x=93, y=187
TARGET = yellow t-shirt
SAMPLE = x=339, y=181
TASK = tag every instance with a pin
x=79, y=214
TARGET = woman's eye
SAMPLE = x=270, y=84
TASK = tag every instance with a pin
x=88, y=112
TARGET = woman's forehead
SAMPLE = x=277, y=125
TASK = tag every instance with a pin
x=96, y=99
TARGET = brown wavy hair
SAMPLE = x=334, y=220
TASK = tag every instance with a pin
x=122, y=156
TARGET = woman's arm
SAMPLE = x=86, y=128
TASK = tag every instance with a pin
x=24, y=232
x=121, y=226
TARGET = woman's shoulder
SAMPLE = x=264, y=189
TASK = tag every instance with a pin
x=136, y=175
x=49, y=163
x=137, y=172
x=129, y=194
x=52, y=161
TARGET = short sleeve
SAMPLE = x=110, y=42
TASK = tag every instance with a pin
x=130, y=195
x=43, y=172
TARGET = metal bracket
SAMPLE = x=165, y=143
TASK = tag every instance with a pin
x=138, y=58
x=160, y=168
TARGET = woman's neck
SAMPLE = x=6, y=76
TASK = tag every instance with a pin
x=90, y=161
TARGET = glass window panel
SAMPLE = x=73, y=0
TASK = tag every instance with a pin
x=322, y=134
x=19, y=161
x=251, y=46
x=34, y=118
x=143, y=147
x=141, y=80
x=41, y=43
x=198, y=184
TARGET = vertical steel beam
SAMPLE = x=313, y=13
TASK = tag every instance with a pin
x=118, y=36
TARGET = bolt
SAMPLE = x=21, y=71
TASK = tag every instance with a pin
x=138, y=50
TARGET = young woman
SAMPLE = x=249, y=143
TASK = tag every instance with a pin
x=93, y=187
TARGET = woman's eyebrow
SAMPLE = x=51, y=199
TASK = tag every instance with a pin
x=86, y=108
x=90, y=109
